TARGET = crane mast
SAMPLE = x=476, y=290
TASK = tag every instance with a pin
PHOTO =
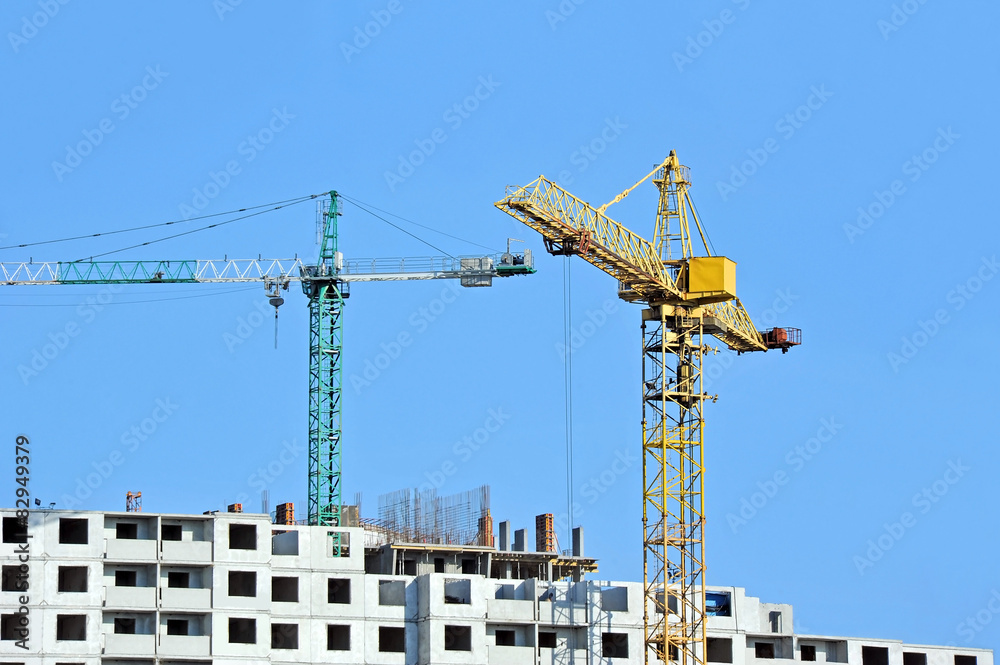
x=687, y=298
x=326, y=343
x=673, y=514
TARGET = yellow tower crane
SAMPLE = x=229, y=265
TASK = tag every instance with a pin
x=687, y=298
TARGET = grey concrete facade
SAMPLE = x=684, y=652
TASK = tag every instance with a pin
x=234, y=589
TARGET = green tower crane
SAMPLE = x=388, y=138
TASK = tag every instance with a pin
x=327, y=285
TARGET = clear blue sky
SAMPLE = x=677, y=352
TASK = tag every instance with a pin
x=887, y=108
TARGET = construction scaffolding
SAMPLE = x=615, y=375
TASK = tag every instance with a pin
x=545, y=533
x=413, y=516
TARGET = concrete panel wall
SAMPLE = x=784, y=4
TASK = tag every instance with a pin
x=221, y=646
x=226, y=551
x=44, y=621
x=48, y=528
x=437, y=646
x=318, y=590
x=147, y=528
x=371, y=643
x=319, y=549
x=437, y=591
x=222, y=599
x=316, y=631
x=44, y=585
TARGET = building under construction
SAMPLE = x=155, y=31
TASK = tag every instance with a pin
x=132, y=588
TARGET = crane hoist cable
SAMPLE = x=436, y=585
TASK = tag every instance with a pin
x=153, y=226
x=396, y=226
x=711, y=245
x=201, y=228
x=410, y=221
x=568, y=385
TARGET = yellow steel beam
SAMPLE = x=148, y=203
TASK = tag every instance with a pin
x=564, y=219
x=740, y=332
x=571, y=222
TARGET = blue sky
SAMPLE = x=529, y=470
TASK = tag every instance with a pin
x=841, y=154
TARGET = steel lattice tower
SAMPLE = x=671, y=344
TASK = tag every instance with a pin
x=326, y=342
x=672, y=476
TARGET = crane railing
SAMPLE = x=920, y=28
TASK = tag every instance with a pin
x=406, y=265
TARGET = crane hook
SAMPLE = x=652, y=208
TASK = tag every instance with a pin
x=276, y=301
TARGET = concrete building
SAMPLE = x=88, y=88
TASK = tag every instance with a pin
x=233, y=588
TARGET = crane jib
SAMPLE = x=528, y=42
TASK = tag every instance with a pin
x=268, y=271
x=126, y=272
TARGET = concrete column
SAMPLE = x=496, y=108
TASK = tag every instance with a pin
x=504, y=543
x=520, y=539
x=578, y=541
